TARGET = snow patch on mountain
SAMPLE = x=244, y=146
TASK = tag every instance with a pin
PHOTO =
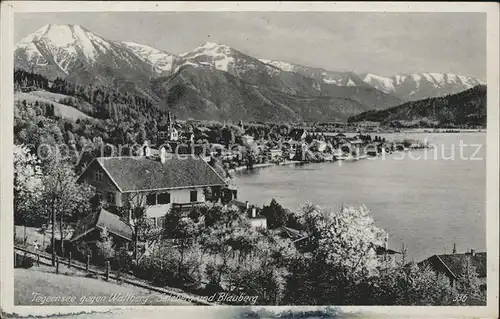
x=382, y=83
x=161, y=61
x=416, y=78
x=331, y=81
x=220, y=56
x=285, y=66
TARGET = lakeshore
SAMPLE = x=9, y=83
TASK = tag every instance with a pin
x=243, y=168
x=402, y=194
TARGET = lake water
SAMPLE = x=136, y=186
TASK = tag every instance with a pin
x=427, y=203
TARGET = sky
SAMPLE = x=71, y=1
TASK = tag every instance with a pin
x=380, y=43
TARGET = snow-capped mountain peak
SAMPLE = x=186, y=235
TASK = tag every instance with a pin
x=381, y=83
x=73, y=51
x=421, y=85
x=69, y=50
x=319, y=74
x=62, y=45
x=220, y=56
x=160, y=61
x=209, y=47
x=72, y=39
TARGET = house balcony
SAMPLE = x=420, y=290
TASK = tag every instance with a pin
x=186, y=207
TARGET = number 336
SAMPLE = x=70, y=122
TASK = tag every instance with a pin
x=460, y=298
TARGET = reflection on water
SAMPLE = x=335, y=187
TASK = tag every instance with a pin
x=427, y=204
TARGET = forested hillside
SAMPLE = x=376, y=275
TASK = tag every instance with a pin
x=467, y=108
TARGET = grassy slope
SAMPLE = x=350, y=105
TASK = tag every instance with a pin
x=56, y=97
x=30, y=281
x=33, y=235
x=60, y=110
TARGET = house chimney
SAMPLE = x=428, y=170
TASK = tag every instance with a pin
x=254, y=212
x=247, y=205
x=472, y=252
x=386, y=242
x=454, y=248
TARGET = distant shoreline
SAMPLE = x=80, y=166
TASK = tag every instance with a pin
x=243, y=168
x=415, y=130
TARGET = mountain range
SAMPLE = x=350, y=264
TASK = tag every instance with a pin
x=219, y=82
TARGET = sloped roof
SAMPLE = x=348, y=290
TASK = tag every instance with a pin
x=382, y=250
x=142, y=174
x=296, y=133
x=85, y=225
x=237, y=203
x=102, y=219
x=455, y=261
x=114, y=225
x=452, y=263
x=291, y=233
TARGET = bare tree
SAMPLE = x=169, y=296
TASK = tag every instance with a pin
x=134, y=210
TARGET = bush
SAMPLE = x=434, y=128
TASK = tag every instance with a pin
x=122, y=261
x=80, y=251
x=24, y=261
x=152, y=270
x=105, y=249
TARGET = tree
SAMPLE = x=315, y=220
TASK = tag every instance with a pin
x=134, y=211
x=27, y=186
x=142, y=135
x=349, y=238
x=63, y=199
x=468, y=284
x=275, y=214
x=339, y=255
x=183, y=230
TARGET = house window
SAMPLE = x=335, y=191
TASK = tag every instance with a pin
x=98, y=194
x=164, y=198
x=111, y=198
x=161, y=221
x=193, y=196
x=98, y=175
x=161, y=135
x=151, y=199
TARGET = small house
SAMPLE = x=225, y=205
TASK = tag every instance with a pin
x=451, y=265
x=89, y=228
x=275, y=154
x=252, y=212
x=247, y=139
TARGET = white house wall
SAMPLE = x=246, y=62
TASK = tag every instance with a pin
x=178, y=196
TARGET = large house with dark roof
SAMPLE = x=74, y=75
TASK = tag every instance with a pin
x=156, y=182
